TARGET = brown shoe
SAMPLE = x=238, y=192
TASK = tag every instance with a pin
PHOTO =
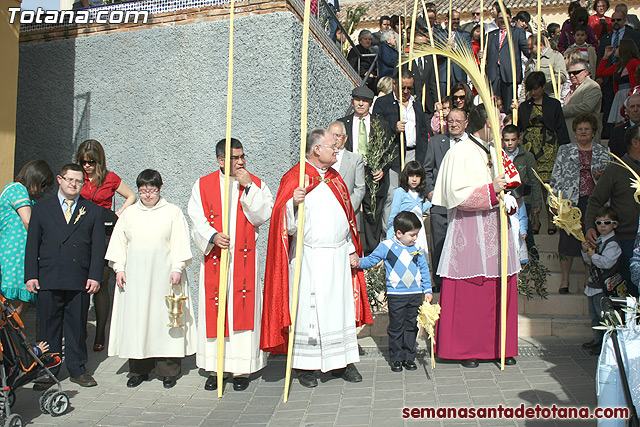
x=84, y=380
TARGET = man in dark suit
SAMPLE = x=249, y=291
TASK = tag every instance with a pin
x=358, y=128
x=437, y=148
x=413, y=127
x=499, y=59
x=617, y=144
x=462, y=38
x=64, y=260
x=620, y=31
x=425, y=79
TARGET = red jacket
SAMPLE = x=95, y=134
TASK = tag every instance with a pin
x=631, y=67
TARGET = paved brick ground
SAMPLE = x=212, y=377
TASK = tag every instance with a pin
x=550, y=370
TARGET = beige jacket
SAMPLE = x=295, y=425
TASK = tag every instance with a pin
x=586, y=99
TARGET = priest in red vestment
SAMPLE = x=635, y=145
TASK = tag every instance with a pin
x=332, y=298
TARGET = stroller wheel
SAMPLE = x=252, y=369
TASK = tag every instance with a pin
x=14, y=420
x=45, y=401
x=58, y=403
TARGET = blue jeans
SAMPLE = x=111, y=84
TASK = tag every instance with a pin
x=333, y=24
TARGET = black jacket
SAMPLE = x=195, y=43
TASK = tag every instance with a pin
x=552, y=117
x=388, y=108
x=63, y=256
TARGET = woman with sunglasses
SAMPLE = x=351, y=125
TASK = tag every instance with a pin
x=575, y=172
x=100, y=187
x=15, y=213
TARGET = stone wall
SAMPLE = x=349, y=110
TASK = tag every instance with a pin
x=156, y=98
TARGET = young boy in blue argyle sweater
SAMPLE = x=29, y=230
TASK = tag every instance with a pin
x=408, y=279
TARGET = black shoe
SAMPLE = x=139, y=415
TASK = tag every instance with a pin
x=136, y=380
x=592, y=344
x=307, y=379
x=409, y=365
x=351, y=374
x=509, y=361
x=84, y=380
x=240, y=383
x=168, y=382
x=396, y=366
x=470, y=363
x=212, y=383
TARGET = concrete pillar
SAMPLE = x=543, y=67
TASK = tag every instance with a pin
x=9, y=37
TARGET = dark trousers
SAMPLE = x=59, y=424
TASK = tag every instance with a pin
x=165, y=366
x=530, y=241
x=439, y=225
x=65, y=311
x=505, y=91
x=372, y=224
x=623, y=268
x=594, y=314
x=403, y=328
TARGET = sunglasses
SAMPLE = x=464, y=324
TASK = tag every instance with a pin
x=458, y=97
x=605, y=222
x=88, y=162
x=576, y=72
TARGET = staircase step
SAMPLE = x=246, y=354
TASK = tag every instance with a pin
x=556, y=304
x=553, y=325
x=552, y=262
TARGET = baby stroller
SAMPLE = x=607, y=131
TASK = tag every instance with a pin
x=20, y=365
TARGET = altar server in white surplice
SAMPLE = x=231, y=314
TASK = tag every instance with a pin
x=250, y=205
x=149, y=249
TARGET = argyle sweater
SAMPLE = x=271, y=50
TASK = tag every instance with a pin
x=406, y=266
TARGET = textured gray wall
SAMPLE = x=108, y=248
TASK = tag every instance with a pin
x=156, y=99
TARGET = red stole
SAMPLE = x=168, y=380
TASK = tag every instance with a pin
x=276, y=318
x=244, y=267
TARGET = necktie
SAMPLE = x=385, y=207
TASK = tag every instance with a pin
x=457, y=139
x=616, y=38
x=503, y=35
x=362, y=138
x=68, y=212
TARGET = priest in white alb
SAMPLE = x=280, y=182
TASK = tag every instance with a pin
x=250, y=204
x=332, y=296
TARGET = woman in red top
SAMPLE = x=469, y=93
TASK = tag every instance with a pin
x=475, y=42
x=600, y=23
x=100, y=186
x=623, y=72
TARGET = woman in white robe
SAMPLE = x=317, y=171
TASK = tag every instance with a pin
x=149, y=250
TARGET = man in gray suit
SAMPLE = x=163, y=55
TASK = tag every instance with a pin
x=437, y=148
x=350, y=166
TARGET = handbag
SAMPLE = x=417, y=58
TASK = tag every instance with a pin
x=108, y=216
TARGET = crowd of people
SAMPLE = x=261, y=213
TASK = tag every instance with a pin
x=360, y=209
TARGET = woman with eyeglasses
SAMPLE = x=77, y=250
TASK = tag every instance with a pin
x=543, y=129
x=575, y=172
x=15, y=213
x=149, y=250
x=601, y=24
x=100, y=186
x=623, y=72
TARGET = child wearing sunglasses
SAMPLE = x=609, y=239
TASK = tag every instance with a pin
x=603, y=265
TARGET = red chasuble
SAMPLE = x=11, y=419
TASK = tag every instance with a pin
x=244, y=267
x=276, y=318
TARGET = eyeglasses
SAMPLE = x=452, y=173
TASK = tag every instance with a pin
x=77, y=182
x=235, y=158
x=332, y=146
x=458, y=97
x=475, y=13
x=407, y=88
x=149, y=192
x=575, y=72
x=87, y=162
x=605, y=222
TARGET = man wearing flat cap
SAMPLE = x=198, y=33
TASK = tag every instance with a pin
x=358, y=126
